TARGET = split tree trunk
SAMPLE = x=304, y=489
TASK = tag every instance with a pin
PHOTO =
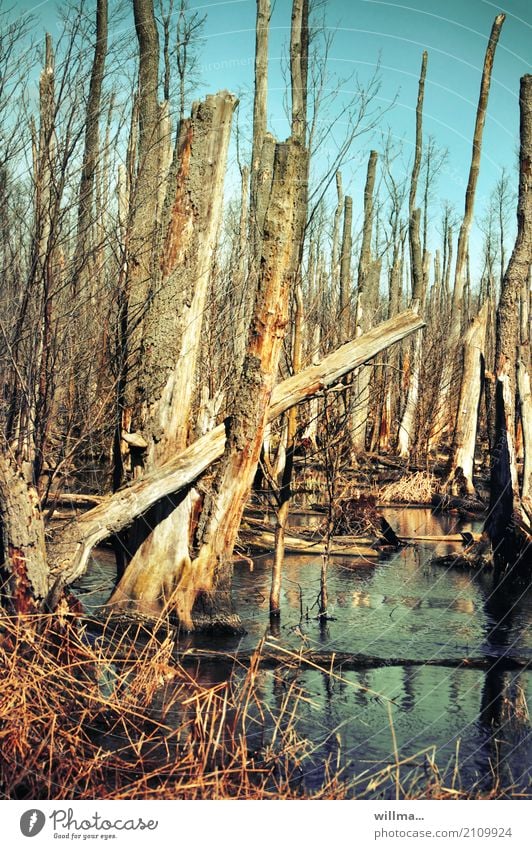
x=171, y=341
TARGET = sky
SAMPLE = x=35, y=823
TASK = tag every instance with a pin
x=394, y=34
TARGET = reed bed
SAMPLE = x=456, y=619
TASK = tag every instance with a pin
x=84, y=717
x=411, y=489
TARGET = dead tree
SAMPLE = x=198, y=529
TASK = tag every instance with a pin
x=92, y=146
x=461, y=463
x=406, y=427
x=360, y=389
x=465, y=227
x=508, y=524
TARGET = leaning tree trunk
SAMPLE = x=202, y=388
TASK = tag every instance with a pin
x=508, y=524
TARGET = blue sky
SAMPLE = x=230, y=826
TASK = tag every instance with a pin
x=455, y=33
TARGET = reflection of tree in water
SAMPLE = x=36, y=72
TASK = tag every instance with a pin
x=504, y=718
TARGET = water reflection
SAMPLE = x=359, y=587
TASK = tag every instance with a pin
x=399, y=606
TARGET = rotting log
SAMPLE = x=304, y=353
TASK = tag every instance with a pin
x=71, y=547
x=272, y=657
x=265, y=541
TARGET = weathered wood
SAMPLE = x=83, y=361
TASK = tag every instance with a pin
x=461, y=463
x=465, y=227
x=72, y=547
x=277, y=656
x=266, y=541
x=91, y=151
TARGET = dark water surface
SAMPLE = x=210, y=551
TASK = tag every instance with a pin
x=399, y=606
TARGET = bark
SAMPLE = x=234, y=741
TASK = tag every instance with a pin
x=299, y=44
x=525, y=396
x=23, y=565
x=72, y=546
x=461, y=464
x=360, y=396
x=506, y=524
x=203, y=590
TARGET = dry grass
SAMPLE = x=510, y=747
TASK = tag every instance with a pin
x=412, y=489
x=81, y=722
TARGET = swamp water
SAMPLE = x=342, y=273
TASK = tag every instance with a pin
x=475, y=722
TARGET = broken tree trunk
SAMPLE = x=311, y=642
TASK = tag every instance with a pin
x=73, y=545
x=461, y=464
x=508, y=524
x=203, y=591
x=171, y=341
x=455, y=329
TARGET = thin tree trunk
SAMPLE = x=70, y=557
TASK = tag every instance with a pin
x=406, y=428
x=285, y=491
x=360, y=389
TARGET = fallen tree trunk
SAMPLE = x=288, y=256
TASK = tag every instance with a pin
x=265, y=541
x=72, y=546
